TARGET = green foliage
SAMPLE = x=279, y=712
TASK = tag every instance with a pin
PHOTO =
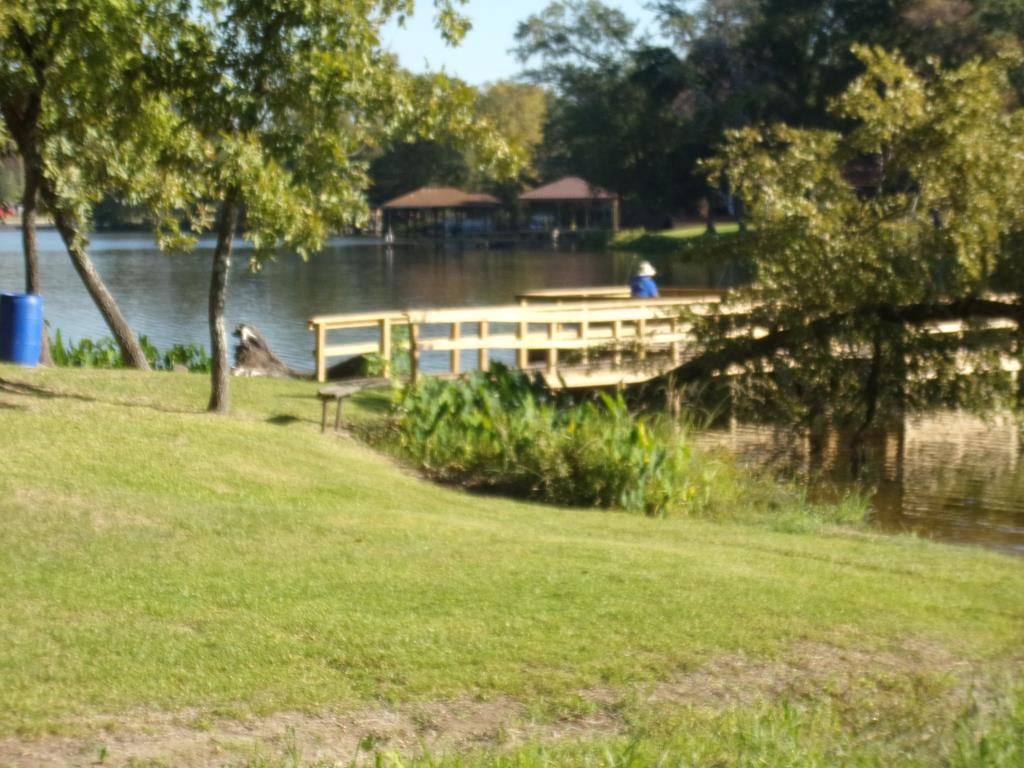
x=11, y=178
x=280, y=109
x=105, y=353
x=635, y=114
x=76, y=93
x=191, y=356
x=517, y=111
x=514, y=111
x=863, y=240
x=496, y=431
x=400, y=364
x=689, y=242
x=612, y=116
x=296, y=165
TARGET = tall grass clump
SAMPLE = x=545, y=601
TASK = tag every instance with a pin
x=496, y=431
x=993, y=736
x=104, y=353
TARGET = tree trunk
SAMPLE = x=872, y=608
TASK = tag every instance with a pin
x=30, y=245
x=872, y=390
x=29, y=242
x=221, y=371
x=69, y=232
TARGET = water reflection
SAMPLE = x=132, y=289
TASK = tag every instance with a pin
x=949, y=475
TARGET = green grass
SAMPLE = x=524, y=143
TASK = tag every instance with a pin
x=157, y=559
x=669, y=241
x=697, y=230
x=782, y=734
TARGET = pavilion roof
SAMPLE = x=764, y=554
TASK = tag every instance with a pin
x=569, y=188
x=441, y=197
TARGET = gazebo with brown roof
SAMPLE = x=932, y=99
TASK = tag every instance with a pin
x=441, y=211
x=576, y=204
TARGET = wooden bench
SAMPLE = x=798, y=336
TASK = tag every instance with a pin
x=338, y=392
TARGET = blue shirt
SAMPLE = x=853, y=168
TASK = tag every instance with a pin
x=643, y=287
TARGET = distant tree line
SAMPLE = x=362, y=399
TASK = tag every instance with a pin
x=635, y=110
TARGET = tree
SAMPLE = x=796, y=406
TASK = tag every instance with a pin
x=76, y=102
x=405, y=166
x=615, y=114
x=569, y=36
x=286, y=102
x=864, y=239
x=517, y=111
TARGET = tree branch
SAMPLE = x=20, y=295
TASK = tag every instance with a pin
x=741, y=351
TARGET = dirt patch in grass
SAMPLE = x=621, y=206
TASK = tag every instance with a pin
x=810, y=671
x=67, y=507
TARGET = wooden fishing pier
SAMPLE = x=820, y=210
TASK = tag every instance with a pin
x=574, y=338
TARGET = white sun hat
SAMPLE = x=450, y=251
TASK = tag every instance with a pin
x=645, y=269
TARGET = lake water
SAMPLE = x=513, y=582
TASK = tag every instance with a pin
x=165, y=297
x=947, y=476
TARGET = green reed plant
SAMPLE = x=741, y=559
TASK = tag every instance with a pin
x=496, y=430
x=104, y=353
x=373, y=364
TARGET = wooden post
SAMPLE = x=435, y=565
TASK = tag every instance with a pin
x=617, y=335
x=385, y=346
x=641, y=332
x=584, y=335
x=414, y=351
x=552, y=352
x=484, y=359
x=321, y=360
x=456, y=353
x=674, y=325
x=522, y=354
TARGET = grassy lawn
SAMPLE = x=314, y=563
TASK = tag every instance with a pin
x=168, y=572
x=668, y=241
x=696, y=230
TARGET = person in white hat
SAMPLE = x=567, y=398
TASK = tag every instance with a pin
x=641, y=284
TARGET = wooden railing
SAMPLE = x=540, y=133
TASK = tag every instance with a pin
x=612, y=341
x=609, y=293
x=608, y=340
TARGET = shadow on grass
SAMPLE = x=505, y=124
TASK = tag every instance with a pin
x=376, y=402
x=285, y=420
x=33, y=390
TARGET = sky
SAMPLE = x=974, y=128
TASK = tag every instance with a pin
x=484, y=54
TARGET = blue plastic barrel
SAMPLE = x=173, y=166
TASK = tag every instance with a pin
x=21, y=328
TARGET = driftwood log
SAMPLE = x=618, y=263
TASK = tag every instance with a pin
x=254, y=357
